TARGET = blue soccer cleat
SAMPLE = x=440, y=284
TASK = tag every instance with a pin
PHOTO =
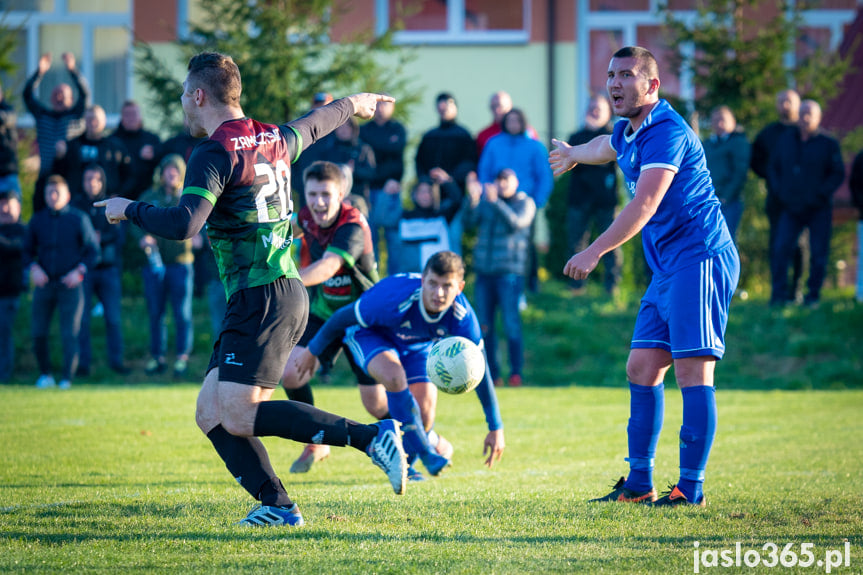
x=387, y=452
x=434, y=463
x=415, y=475
x=271, y=515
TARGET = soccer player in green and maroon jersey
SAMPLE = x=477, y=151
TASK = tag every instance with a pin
x=238, y=182
x=337, y=264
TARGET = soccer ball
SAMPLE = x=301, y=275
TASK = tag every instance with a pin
x=455, y=365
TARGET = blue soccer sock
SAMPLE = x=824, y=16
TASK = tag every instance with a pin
x=646, y=412
x=696, y=438
x=403, y=407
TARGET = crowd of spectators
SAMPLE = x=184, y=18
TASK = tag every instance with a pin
x=494, y=186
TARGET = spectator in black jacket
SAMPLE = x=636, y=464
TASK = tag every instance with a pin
x=805, y=170
x=60, y=249
x=592, y=196
x=141, y=146
x=451, y=148
x=316, y=152
x=104, y=280
x=63, y=120
x=856, y=185
x=348, y=149
x=788, y=108
x=8, y=147
x=388, y=139
x=95, y=147
x=12, y=234
x=182, y=143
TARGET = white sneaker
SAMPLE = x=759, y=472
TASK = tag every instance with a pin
x=65, y=384
x=45, y=382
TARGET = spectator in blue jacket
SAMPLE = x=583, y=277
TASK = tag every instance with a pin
x=60, y=249
x=805, y=170
x=515, y=149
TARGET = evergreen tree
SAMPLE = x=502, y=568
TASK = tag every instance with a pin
x=737, y=57
x=285, y=56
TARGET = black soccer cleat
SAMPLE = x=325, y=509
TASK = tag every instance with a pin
x=624, y=495
x=674, y=498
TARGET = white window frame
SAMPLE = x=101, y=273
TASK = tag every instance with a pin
x=30, y=23
x=628, y=23
x=455, y=32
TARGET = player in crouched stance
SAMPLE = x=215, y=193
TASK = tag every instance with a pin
x=390, y=331
x=695, y=266
x=238, y=182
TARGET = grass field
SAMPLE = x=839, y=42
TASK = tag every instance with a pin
x=119, y=479
x=114, y=476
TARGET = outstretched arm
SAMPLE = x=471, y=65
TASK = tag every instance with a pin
x=321, y=121
x=564, y=157
x=494, y=442
x=181, y=222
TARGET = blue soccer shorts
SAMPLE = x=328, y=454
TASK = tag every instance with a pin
x=686, y=311
x=366, y=343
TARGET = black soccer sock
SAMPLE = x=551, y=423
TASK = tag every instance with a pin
x=302, y=394
x=241, y=459
x=273, y=493
x=307, y=424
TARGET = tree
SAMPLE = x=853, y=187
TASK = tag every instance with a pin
x=737, y=57
x=285, y=56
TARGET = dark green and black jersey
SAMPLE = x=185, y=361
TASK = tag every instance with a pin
x=349, y=237
x=244, y=171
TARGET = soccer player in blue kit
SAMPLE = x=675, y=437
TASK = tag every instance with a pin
x=390, y=330
x=695, y=265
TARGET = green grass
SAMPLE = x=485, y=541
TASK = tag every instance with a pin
x=114, y=476
x=119, y=479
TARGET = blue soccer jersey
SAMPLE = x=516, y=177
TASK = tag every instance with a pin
x=395, y=305
x=688, y=225
x=391, y=316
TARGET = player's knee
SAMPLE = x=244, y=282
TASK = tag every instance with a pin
x=639, y=373
x=206, y=413
x=235, y=426
x=392, y=381
x=291, y=381
x=375, y=409
x=205, y=419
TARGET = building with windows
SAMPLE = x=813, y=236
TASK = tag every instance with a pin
x=548, y=54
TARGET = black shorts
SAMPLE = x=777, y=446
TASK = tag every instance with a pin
x=261, y=326
x=331, y=352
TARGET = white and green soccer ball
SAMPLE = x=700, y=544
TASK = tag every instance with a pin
x=455, y=365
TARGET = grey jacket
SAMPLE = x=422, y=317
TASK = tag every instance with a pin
x=503, y=233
